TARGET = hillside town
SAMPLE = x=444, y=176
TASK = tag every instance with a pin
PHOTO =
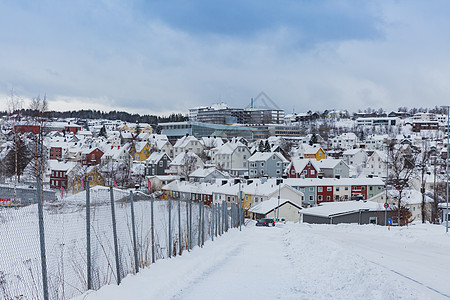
x=311, y=166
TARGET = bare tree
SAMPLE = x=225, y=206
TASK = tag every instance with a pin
x=14, y=106
x=188, y=165
x=38, y=107
x=401, y=163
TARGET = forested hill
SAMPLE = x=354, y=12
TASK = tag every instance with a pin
x=112, y=115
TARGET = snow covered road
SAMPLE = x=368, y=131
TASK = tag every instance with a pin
x=296, y=261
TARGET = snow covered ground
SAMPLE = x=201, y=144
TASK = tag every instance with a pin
x=301, y=261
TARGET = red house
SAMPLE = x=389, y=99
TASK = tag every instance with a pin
x=59, y=175
x=324, y=194
x=91, y=157
x=359, y=192
x=35, y=129
x=72, y=128
x=302, y=168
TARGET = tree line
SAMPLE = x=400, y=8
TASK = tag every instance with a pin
x=112, y=115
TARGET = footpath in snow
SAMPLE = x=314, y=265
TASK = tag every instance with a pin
x=300, y=261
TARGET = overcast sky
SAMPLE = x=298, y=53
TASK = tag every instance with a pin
x=167, y=56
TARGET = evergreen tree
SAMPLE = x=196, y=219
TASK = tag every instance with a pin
x=103, y=132
x=267, y=147
x=261, y=146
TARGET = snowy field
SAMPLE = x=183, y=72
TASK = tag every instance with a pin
x=301, y=261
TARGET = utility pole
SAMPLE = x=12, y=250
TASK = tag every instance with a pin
x=386, y=189
x=446, y=163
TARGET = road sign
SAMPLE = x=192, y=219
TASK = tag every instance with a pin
x=389, y=221
x=386, y=205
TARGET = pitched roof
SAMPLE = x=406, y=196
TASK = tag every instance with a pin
x=267, y=206
x=330, y=209
x=182, y=142
x=264, y=156
x=155, y=157
x=329, y=163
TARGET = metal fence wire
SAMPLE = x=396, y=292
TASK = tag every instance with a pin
x=59, y=249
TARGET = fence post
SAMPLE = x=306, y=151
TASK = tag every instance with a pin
x=88, y=236
x=170, y=227
x=133, y=227
x=199, y=222
x=187, y=225
x=226, y=217
x=152, y=219
x=116, y=246
x=213, y=219
x=179, y=228
x=203, y=223
x=190, y=225
x=41, y=237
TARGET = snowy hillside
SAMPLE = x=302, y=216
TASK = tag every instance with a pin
x=301, y=261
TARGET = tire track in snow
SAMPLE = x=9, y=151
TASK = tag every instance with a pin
x=411, y=279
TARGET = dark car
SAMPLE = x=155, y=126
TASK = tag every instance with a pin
x=265, y=222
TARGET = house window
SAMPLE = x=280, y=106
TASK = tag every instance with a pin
x=329, y=188
x=274, y=157
x=293, y=172
x=319, y=189
x=337, y=189
x=373, y=220
x=311, y=198
x=313, y=172
x=346, y=197
x=262, y=164
x=346, y=188
x=93, y=156
x=319, y=197
x=311, y=189
x=256, y=200
x=336, y=197
x=328, y=198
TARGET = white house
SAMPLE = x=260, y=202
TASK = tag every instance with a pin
x=355, y=157
x=187, y=143
x=231, y=157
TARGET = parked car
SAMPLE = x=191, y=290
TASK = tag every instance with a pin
x=265, y=222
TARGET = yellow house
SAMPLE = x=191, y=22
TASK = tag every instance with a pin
x=140, y=151
x=316, y=153
x=92, y=175
x=132, y=128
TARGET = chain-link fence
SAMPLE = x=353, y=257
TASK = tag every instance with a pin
x=60, y=249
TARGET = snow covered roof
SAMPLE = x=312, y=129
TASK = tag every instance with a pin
x=155, y=157
x=300, y=164
x=330, y=209
x=264, y=156
x=329, y=163
x=410, y=196
x=352, y=151
x=182, y=142
x=303, y=182
x=203, y=172
x=228, y=148
x=181, y=158
x=55, y=165
x=267, y=206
